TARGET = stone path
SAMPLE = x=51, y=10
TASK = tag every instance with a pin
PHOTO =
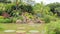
x=27, y=29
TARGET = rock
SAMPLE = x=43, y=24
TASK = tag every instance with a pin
x=20, y=32
x=9, y=31
x=34, y=32
x=18, y=21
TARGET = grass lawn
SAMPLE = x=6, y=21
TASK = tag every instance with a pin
x=38, y=27
x=7, y=27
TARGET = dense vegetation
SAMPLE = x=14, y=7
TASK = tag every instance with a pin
x=48, y=14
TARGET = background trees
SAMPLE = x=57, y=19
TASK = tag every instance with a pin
x=41, y=9
x=53, y=6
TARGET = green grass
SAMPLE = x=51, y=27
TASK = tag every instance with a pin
x=7, y=27
x=39, y=27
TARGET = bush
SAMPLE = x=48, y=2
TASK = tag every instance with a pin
x=47, y=19
x=53, y=28
x=57, y=30
x=14, y=20
x=15, y=13
x=26, y=8
x=5, y=20
x=1, y=12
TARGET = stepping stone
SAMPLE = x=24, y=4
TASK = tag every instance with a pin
x=34, y=32
x=9, y=31
x=20, y=32
x=21, y=28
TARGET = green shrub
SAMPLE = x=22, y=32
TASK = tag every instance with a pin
x=0, y=12
x=15, y=13
x=14, y=19
x=47, y=19
x=57, y=30
x=53, y=27
x=5, y=20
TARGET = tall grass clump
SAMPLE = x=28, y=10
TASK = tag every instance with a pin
x=53, y=27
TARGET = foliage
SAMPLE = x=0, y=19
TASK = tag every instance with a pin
x=41, y=9
x=53, y=27
x=14, y=19
x=0, y=12
x=5, y=20
x=26, y=8
x=9, y=8
x=2, y=8
x=47, y=19
x=58, y=10
x=53, y=6
x=20, y=17
x=6, y=8
x=15, y=13
x=5, y=1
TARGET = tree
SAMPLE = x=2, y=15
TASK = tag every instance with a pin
x=53, y=6
x=2, y=0
x=57, y=10
x=5, y=1
x=26, y=8
x=41, y=9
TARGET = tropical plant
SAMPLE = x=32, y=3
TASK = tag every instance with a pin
x=41, y=9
